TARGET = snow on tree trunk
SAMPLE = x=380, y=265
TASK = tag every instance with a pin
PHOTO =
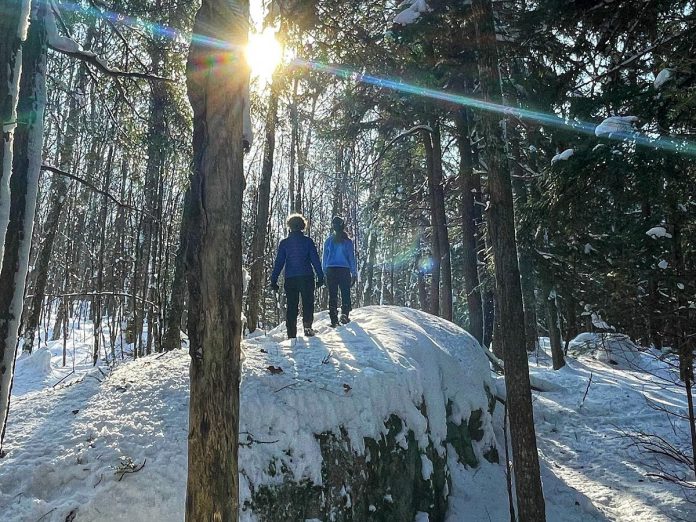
x=216, y=79
x=26, y=165
x=13, y=31
x=501, y=226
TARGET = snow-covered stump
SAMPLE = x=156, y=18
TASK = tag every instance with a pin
x=358, y=423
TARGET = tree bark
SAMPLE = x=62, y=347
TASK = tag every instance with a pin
x=524, y=251
x=469, y=240
x=436, y=254
x=216, y=89
x=501, y=224
x=438, y=200
x=26, y=166
x=172, y=336
x=551, y=306
x=258, y=242
x=13, y=31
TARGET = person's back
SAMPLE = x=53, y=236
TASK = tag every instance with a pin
x=340, y=269
x=298, y=254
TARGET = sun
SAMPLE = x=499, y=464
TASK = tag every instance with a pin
x=263, y=53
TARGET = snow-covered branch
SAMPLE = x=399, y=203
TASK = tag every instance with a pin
x=70, y=47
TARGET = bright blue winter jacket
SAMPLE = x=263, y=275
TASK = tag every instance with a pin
x=339, y=255
x=298, y=254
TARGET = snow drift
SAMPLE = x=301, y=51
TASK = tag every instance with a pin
x=369, y=421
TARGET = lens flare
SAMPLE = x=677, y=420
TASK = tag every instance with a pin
x=263, y=53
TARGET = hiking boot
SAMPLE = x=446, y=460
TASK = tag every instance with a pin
x=309, y=332
x=344, y=319
x=334, y=322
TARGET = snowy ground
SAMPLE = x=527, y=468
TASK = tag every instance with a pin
x=71, y=444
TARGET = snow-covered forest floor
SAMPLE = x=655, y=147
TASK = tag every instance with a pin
x=110, y=444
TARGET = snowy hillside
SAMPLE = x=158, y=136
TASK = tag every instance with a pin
x=114, y=447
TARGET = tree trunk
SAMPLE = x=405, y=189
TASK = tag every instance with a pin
x=26, y=165
x=524, y=251
x=501, y=224
x=58, y=191
x=438, y=200
x=469, y=240
x=294, y=137
x=172, y=336
x=100, y=258
x=551, y=306
x=436, y=255
x=217, y=91
x=13, y=31
x=258, y=242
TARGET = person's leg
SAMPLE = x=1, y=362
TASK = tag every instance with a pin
x=344, y=283
x=332, y=284
x=292, y=293
x=307, y=291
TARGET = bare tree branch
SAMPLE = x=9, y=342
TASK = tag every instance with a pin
x=86, y=183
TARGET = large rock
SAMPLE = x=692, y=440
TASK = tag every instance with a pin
x=358, y=423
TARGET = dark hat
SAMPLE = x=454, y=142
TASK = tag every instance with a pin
x=337, y=223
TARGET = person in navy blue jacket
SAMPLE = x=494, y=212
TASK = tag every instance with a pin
x=298, y=254
x=340, y=269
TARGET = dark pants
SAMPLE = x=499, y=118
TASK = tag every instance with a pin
x=294, y=288
x=338, y=277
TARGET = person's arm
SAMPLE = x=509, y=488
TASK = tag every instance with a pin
x=314, y=259
x=325, y=256
x=351, y=258
x=279, y=263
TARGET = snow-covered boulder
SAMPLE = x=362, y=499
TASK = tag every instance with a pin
x=611, y=348
x=362, y=420
x=372, y=421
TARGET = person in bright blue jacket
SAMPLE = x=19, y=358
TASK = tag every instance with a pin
x=298, y=254
x=339, y=267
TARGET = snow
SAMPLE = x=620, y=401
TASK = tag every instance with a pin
x=663, y=264
x=600, y=323
x=662, y=77
x=588, y=443
x=412, y=13
x=620, y=125
x=611, y=348
x=66, y=441
x=562, y=156
x=55, y=40
x=658, y=232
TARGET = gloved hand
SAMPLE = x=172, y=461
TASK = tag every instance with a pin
x=320, y=281
x=353, y=279
x=274, y=286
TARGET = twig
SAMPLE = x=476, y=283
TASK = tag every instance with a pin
x=133, y=469
x=586, y=390
x=251, y=440
x=45, y=515
x=68, y=375
x=286, y=386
